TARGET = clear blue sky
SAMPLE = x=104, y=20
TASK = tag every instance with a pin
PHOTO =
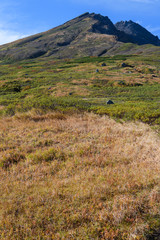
x=20, y=18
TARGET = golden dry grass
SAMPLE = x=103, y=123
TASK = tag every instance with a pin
x=77, y=177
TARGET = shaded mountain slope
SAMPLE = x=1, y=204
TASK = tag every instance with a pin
x=137, y=33
x=86, y=35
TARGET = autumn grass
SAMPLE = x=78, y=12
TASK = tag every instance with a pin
x=79, y=176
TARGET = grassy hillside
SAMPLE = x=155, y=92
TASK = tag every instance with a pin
x=68, y=170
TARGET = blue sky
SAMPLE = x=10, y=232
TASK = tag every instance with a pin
x=20, y=18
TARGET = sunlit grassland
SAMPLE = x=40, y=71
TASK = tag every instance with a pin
x=71, y=166
x=77, y=177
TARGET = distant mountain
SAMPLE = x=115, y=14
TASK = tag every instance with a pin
x=137, y=33
x=89, y=34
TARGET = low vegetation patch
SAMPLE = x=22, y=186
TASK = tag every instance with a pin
x=47, y=156
x=10, y=158
x=85, y=84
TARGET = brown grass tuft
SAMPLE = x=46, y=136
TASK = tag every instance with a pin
x=10, y=158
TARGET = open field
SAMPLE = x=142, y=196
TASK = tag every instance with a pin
x=78, y=177
x=71, y=166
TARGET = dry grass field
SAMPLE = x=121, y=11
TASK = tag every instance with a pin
x=82, y=176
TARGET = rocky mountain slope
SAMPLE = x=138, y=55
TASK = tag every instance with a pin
x=86, y=35
x=137, y=33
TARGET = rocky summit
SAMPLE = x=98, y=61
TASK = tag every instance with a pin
x=137, y=33
x=89, y=34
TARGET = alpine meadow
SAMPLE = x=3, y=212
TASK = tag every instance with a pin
x=80, y=133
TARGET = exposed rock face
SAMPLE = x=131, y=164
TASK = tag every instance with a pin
x=137, y=33
x=104, y=25
x=89, y=34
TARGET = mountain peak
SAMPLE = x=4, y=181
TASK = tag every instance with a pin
x=84, y=15
x=138, y=34
x=89, y=34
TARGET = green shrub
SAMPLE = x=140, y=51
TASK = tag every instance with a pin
x=47, y=155
x=10, y=110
